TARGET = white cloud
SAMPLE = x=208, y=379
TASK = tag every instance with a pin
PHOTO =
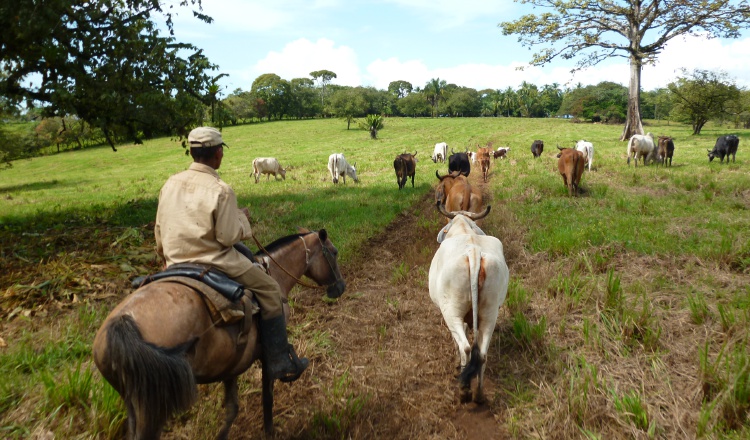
x=300, y=57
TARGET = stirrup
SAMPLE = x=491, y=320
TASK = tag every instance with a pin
x=299, y=364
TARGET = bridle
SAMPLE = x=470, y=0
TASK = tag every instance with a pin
x=326, y=253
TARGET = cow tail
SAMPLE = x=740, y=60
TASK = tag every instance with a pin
x=472, y=368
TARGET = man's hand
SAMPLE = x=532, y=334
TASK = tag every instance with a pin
x=246, y=212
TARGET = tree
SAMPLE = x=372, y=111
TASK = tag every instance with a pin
x=464, y=102
x=702, y=96
x=323, y=77
x=593, y=31
x=348, y=103
x=606, y=101
x=275, y=93
x=400, y=88
x=373, y=124
x=240, y=103
x=508, y=101
x=106, y=62
x=434, y=90
x=303, y=101
x=414, y=104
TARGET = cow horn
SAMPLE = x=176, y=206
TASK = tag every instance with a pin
x=478, y=216
x=415, y=153
x=438, y=175
x=708, y=150
x=471, y=215
x=560, y=148
x=441, y=209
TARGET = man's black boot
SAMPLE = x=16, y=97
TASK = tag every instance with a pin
x=281, y=360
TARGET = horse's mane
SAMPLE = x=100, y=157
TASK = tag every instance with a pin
x=281, y=242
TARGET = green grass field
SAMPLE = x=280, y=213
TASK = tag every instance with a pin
x=610, y=279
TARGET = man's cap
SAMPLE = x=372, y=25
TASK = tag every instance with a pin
x=205, y=137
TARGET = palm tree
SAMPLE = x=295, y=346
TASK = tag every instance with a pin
x=434, y=91
x=372, y=123
x=508, y=101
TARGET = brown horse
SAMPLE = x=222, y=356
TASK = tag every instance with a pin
x=160, y=341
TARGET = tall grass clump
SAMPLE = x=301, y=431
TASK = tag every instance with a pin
x=632, y=407
x=726, y=389
x=343, y=408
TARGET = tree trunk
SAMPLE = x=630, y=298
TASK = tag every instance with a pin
x=633, y=123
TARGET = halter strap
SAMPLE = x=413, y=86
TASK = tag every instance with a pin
x=300, y=282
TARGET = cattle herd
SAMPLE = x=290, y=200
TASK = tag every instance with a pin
x=468, y=277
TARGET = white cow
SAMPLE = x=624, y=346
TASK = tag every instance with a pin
x=339, y=167
x=473, y=157
x=587, y=148
x=468, y=281
x=642, y=146
x=440, y=153
x=268, y=166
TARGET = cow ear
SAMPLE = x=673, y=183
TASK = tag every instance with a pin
x=443, y=232
x=323, y=235
x=476, y=229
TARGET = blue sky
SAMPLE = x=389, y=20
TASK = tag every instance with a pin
x=371, y=43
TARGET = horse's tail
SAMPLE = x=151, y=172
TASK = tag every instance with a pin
x=156, y=381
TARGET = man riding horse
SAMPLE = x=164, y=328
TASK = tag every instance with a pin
x=198, y=221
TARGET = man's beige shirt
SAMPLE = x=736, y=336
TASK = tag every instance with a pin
x=198, y=221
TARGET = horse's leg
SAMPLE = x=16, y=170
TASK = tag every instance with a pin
x=267, y=397
x=231, y=407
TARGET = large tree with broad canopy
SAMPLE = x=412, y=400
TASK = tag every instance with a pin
x=594, y=30
x=106, y=62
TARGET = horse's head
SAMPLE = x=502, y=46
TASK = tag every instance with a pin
x=323, y=267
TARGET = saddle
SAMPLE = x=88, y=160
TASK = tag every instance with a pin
x=222, y=295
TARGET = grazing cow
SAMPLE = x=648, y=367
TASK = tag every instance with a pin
x=339, y=167
x=642, y=146
x=571, y=164
x=457, y=194
x=459, y=162
x=587, y=148
x=268, y=166
x=468, y=282
x=536, y=148
x=501, y=152
x=725, y=145
x=483, y=156
x=440, y=154
x=405, y=166
x=666, y=150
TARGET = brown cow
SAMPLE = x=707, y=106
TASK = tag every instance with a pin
x=666, y=150
x=483, y=157
x=571, y=164
x=405, y=166
x=456, y=193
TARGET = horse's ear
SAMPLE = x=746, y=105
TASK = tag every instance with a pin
x=302, y=230
x=323, y=235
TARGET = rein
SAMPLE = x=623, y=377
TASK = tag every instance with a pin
x=307, y=262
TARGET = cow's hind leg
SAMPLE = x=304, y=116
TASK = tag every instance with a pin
x=231, y=407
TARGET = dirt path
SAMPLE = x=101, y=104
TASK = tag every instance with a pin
x=383, y=361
